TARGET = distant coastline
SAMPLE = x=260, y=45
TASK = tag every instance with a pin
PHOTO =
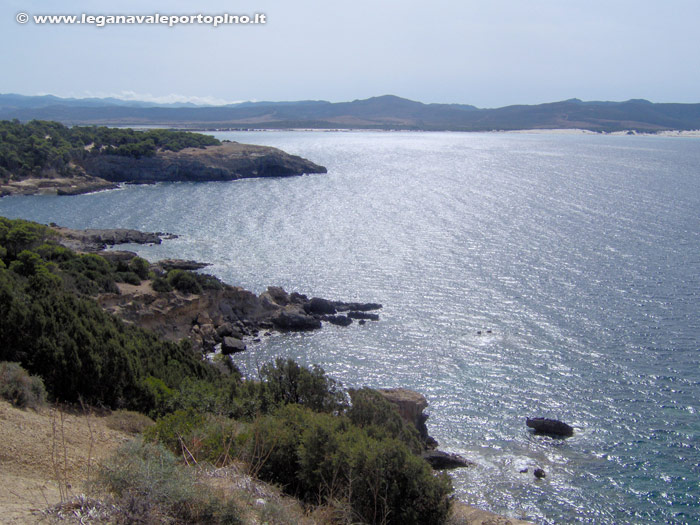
x=387, y=112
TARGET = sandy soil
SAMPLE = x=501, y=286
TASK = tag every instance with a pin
x=46, y=456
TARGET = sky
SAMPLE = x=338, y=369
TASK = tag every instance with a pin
x=488, y=53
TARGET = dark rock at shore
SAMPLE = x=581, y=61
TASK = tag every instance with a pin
x=232, y=345
x=363, y=315
x=440, y=460
x=550, y=427
x=339, y=320
x=94, y=240
x=296, y=321
x=539, y=473
x=320, y=306
x=357, y=307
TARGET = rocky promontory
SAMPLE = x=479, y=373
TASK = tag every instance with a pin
x=226, y=316
x=218, y=317
x=224, y=162
x=410, y=405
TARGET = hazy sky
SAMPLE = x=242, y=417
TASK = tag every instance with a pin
x=488, y=53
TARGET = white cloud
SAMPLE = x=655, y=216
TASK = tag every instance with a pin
x=158, y=99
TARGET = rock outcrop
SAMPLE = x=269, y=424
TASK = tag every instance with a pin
x=228, y=161
x=225, y=162
x=410, y=405
x=226, y=316
x=73, y=185
x=440, y=460
x=550, y=427
x=94, y=240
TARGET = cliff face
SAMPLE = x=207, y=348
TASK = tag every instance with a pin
x=229, y=161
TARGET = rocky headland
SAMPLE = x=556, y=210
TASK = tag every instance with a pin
x=228, y=161
x=225, y=162
x=222, y=318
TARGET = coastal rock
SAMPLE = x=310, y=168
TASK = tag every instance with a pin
x=180, y=264
x=440, y=460
x=51, y=184
x=411, y=405
x=539, y=473
x=339, y=320
x=357, y=307
x=276, y=295
x=231, y=345
x=295, y=321
x=228, y=161
x=320, y=306
x=550, y=427
x=93, y=240
x=363, y=315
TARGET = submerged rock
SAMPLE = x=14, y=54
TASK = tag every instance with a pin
x=550, y=427
x=440, y=460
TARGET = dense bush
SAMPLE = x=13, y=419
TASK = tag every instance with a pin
x=160, y=284
x=320, y=457
x=183, y=281
x=19, y=388
x=287, y=382
x=79, y=350
x=380, y=418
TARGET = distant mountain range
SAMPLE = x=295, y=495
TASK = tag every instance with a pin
x=385, y=112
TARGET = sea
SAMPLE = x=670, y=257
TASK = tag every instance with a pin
x=522, y=275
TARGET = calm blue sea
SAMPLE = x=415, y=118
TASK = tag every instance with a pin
x=580, y=253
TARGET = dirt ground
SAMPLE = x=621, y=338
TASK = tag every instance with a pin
x=45, y=458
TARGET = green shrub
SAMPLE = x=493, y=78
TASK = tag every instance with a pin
x=140, y=267
x=19, y=388
x=183, y=281
x=288, y=382
x=199, y=437
x=127, y=277
x=323, y=458
x=380, y=418
x=151, y=486
x=160, y=284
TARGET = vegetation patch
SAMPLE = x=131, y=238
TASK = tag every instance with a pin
x=37, y=147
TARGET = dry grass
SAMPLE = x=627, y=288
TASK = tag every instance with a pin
x=128, y=421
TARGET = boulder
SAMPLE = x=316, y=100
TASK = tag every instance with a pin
x=550, y=427
x=289, y=320
x=363, y=315
x=320, y=306
x=539, y=473
x=298, y=298
x=339, y=320
x=440, y=460
x=358, y=307
x=231, y=345
x=276, y=295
